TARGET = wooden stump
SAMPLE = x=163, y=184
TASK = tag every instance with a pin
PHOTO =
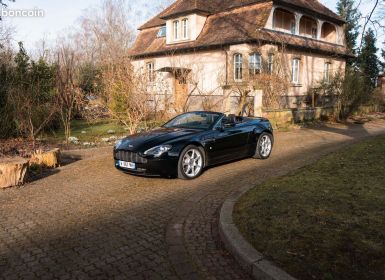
x=50, y=159
x=13, y=172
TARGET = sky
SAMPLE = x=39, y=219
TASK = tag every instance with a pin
x=60, y=16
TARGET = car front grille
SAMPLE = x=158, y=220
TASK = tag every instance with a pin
x=129, y=157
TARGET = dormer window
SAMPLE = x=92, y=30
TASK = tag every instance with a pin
x=176, y=29
x=181, y=29
x=185, y=28
x=162, y=32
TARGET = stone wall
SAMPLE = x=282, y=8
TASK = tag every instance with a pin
x=285, y=117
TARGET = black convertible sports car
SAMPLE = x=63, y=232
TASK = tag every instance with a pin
x=190, y=142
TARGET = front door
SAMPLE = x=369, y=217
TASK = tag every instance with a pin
x=181, y=91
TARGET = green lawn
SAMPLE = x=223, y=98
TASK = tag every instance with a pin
x=94, y=131
x=326, y=221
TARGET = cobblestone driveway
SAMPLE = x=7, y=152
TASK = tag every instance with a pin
x=90, y=221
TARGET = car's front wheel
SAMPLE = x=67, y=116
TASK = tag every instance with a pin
x=264, y=146
x=191, y=163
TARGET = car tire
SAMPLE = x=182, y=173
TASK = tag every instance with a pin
x=264, y=146
x=191, y=162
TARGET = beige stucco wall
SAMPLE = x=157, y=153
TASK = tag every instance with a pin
x=311, y=65
x=209, y=76
x=311, y=70
x=207, y=69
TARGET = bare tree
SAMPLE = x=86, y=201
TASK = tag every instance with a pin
x=67, y=90
x=374, y=18
x=104, y=38
x=105, y=32
x=6, y=33
x=125, y=93
x=189, y=74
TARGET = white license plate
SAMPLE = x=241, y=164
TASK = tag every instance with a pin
x=128, y=165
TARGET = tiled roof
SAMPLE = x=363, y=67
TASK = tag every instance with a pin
x=239, y=25
x=218, y=29
x=211, y=7
x=157, y=20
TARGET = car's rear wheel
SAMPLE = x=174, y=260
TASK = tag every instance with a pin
x=264, y=146
x=191, y=163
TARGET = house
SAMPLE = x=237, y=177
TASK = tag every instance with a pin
x=209, y=54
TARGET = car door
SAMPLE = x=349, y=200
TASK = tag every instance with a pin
x=228, y=143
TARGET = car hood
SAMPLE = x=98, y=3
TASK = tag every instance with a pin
x=146, y=140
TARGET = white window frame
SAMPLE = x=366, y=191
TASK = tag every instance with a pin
x=176, y=29
x=295, y=70
x=238, y=65
x=150, y=67
x=327, y=69
x=162, y=32
x=185, y=28
x=255, y=64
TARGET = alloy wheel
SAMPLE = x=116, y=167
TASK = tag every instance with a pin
x=265, y=146
x=192, y=163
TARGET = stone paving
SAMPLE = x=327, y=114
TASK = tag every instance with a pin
x=89, y=221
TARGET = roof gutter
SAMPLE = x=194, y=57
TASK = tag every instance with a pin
x=221, y=46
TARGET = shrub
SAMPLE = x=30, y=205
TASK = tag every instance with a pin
x=351, y=91
x=31, y=94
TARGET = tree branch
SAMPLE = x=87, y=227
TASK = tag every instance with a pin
x=368, y=19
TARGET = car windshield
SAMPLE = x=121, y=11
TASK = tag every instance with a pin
x=194, y=120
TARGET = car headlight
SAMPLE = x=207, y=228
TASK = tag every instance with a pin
x=158, y=150
x=118, y=143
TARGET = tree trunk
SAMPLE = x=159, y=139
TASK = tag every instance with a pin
x=13, y=172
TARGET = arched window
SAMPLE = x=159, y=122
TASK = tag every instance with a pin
x=328, y=33
x=176, y=29
x=238, y=64
x=255, y=64
x=308, y=27
x=284, y=21
x=185, y=28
